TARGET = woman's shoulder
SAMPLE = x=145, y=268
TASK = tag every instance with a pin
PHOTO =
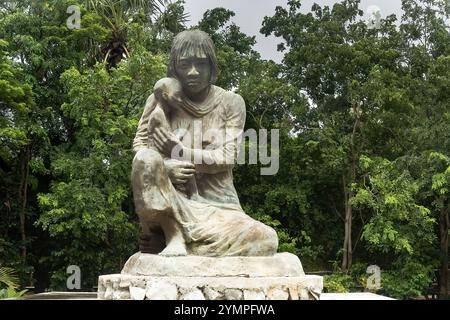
x=230, y=98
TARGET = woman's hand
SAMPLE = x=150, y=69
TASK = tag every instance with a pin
x=166, y=142
x=179, y=171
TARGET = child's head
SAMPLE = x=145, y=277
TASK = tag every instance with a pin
x=168, y=90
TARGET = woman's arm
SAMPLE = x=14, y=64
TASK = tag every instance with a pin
x=141, y=138
x=220, y=158
x=178, y=171
x=225, y=156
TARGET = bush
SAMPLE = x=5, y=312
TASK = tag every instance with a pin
x=409, y=281
x=9, y=279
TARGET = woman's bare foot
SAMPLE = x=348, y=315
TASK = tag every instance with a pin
x=175, y=243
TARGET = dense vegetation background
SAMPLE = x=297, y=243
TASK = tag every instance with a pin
x=363, y=113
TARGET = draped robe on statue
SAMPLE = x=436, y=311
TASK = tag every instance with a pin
x=212, y=222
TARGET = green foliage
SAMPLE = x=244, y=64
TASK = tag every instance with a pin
x=16, y=104
x=10, y=293
x=353, y=281
x=10, y=280
x=8, y=277
x=398, y=223
x=67, y=123
x=378, y=113
x=363, y=116
x=88, y=210
x=337, y=283
x=407, y=280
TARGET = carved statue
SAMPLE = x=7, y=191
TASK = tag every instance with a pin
x=185, y=145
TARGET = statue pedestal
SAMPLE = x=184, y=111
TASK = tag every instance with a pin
x=153, y=277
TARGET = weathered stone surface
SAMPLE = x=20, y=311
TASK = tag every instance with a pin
x=280, y=265
x=161, y=289
x=121, y=295
x=108, y=294
x=213, y=250
x=233, y=294
x=138, y=282
x=254, y=295
x=304, y=292
x=173, y=288
x=212, y=212
x=211, y=294
x=277, y=293
x=101, y=293
x=101, y=282
x=125, y=283
x=115, y=283
x=207, y=246
x=293, y=293
x=195, y=294
x=137, y=293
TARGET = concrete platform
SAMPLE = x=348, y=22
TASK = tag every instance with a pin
x=353, y=296
x=154, y=277
x=62, y=296
x=279, y=265
x=130, y=287
x=93, y=296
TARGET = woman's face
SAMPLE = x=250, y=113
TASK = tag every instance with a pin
x=194, y=74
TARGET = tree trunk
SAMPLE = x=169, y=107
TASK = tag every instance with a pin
x=444, y=226
x=347, y=258
x=347, y=248
x=25, y=168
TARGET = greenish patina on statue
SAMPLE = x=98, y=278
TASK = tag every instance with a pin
x=187, y=206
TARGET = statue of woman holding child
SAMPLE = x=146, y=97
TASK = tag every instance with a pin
x=186, y=145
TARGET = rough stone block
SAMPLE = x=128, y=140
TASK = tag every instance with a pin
x=195, y=294
x=161, y=289
x=233, y=294
x=280, y=265
x=215, y=288
x=137, y=293
x=211, y=294
x=254, y=295
x=277, y=293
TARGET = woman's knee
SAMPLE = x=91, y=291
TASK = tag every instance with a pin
x=271, y=240
x=147, y=157
x=266, y=238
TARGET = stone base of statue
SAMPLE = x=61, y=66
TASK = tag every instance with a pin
x=154, y=277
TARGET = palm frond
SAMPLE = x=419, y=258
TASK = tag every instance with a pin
x=9, y=277
x=106, y=7
x=158, y=16
x=172, y=18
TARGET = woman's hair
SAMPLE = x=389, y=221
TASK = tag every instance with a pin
x=194, y=43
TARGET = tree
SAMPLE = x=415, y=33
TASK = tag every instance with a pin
x=42, y=47
x=157, y=16
x=271, y=104
x=362, y=115
x=375, y=94
x=331, y=57
x=17, y=104
x=49, y=58
x=399, y=226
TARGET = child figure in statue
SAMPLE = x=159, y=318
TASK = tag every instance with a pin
x=169, y=96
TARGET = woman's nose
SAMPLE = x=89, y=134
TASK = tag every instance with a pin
x=193, y=71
